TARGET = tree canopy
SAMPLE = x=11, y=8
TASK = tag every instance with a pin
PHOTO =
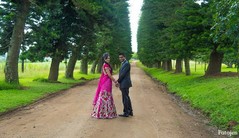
x=62, y=29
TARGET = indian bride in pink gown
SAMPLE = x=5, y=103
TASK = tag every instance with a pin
x=103, y=102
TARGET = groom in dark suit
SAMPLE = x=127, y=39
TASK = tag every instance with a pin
x=124, y=85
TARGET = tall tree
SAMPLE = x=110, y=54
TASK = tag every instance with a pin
x=186, y=32
x=225, y=30
x=154, y=32
x=11, y=68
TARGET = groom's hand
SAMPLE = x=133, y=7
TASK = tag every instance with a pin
x=117, y=84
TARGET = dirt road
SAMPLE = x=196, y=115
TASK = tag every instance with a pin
x=67, y=115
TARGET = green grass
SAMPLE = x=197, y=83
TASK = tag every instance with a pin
x=14, y=96
x=217, y=97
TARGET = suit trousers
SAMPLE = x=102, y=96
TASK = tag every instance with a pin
x=126, y=101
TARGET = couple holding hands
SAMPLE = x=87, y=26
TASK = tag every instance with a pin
x=103, y=102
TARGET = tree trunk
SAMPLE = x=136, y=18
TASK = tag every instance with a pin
x=84, y=65
x=165, y=65
x=22, y=65
x=11, y=68
x=54, y=69
x=100, y=63
x=229, y=64
x=150, y=65
x=93, y=67
x=57, y=58
x=195, y=65
x=66, y=64
x=187, y=66
x=178, y=66
x=215, y=63
x=169, y=65
x=159, y=64
x=205, y=66
x=72, y=62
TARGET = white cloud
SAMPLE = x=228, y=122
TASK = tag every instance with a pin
x=134, y=15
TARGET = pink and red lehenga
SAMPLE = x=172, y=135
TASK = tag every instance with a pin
x=103, y=103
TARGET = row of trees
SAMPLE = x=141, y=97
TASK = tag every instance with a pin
x=63, y=29
x=184, y=30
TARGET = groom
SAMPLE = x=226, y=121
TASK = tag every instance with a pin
x=124, y=85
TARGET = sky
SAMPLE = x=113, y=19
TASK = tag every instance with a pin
x=134, y=15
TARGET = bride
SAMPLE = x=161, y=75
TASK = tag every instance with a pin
x=103, y=103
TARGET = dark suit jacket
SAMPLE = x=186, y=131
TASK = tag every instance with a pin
x=124, y=75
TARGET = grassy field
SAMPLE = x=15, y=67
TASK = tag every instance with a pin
x=29, y=90
x=217, y=97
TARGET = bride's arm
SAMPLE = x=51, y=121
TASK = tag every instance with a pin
x=107, y=70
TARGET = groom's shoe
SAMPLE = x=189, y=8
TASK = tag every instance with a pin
x=123, y=115
x=131, y=114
